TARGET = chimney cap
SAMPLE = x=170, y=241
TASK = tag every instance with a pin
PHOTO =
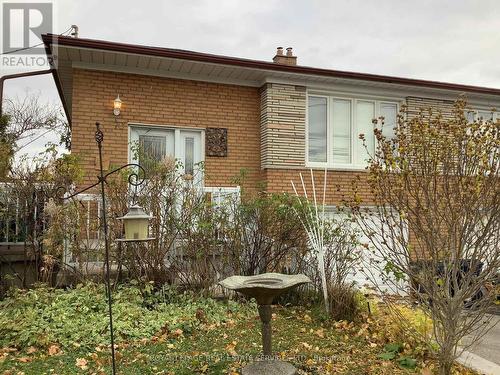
x=285, y=59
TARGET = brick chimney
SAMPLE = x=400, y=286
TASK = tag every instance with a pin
x=288, y=59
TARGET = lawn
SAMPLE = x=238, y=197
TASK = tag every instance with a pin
x=196, y=336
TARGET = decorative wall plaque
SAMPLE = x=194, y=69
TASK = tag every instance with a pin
x=216, y=142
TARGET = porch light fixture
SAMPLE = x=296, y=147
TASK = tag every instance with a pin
x=117, y=106
x=136, y=223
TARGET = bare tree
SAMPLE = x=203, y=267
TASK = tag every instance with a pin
x=436, y=221
x=28, y=115
x=6, y=147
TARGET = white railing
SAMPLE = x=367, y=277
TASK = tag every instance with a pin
x=92, y=211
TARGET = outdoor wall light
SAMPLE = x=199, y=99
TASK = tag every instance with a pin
x=136, y=223
x=117, y=106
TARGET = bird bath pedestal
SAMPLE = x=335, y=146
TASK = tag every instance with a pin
x=264, y=288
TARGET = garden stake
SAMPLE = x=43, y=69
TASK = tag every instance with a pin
x=99, y=136
x=135, y=180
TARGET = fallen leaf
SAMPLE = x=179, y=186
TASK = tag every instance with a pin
x=31, y=350
x=307, y=346
x=230, y=348
x=177, y=333
x=54, y=350
x=81, y=363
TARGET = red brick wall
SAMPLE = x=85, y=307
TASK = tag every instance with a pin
x=166, y=101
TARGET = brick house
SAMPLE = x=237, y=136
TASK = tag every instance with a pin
x=277, y=118
x=271, y=118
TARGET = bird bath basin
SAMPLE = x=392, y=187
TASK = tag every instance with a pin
x=264, y=288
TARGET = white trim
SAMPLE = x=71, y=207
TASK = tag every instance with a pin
x=353, y=94
x=165, y=126
x=177, y=138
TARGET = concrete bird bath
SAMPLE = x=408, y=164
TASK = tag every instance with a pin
x=264, y=288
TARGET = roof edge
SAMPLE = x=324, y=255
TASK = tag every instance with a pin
x=50, y=39
x=57, y=80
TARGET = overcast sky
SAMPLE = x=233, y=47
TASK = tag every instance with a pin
x=449, y=40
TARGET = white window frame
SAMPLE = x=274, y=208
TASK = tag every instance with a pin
x=476, y=110
x=354, y=99
x=157, y=129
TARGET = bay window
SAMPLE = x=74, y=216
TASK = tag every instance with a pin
x=334, y=125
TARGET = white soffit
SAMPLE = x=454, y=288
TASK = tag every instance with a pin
x=93, y=59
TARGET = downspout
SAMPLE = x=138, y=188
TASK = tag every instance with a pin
x=18, y=75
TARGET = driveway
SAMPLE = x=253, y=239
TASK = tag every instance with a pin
x=488, y=346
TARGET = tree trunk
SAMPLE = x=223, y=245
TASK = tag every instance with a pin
x=445, y=367
x=446, y=358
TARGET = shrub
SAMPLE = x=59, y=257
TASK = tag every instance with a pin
x=263, y=235
x=303, y=295
x=345, y=302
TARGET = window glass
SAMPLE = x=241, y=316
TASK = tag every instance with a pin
x=485, y=115
x=189, y=156
x=317, y=129
x=470, y=116
x=152, y=148
x=389, y=111
x=365, y=113
x=341, y=118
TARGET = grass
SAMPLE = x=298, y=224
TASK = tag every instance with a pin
x=300, y=336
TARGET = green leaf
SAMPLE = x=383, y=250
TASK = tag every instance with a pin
x=393, y=347
x=387, y=356
x=407, y=363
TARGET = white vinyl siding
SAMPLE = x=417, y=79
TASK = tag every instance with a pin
x=369, y=271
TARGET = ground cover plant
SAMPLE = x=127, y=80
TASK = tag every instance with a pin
x=55, y=331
